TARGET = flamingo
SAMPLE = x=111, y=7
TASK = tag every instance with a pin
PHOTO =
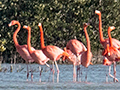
x=76, y=47
x=104, y=42
x=21, y=49
x=37, y=55
x=73, y=59
x=52, y=52
x=106, y=62
x=85, y=56
x=112, y=53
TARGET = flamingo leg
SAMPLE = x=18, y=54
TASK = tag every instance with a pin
x=114, y=67
x=40, y=73
x=27, y=72
x=53, y=70
x=79, y=73
x=107, y=74
x=112, y=75
x=31, y=73
x=74, y=73
x=86, y=75
x=57, y=71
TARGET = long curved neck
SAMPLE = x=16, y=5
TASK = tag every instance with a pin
x=100, y=29
x=87, y=39
x=110, y=38
x=42, y=37
x=28, y=41
x=15, y=34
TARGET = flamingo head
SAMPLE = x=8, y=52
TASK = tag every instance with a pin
x=86, y=24
x=13, y=22
x=106, y=61
x=97, y=12
x=26, y=27
x=39, y=24
x=111, y=28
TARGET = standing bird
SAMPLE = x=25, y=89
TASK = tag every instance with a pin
x=73, y=59
x=76, y=47
x=85, y=54
x=21, y=49
x=103, y=41
x=106, y=62
x=112, y=53
x=52, y=52
x=37, y=55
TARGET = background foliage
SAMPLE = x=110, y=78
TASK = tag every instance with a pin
x=62, y=20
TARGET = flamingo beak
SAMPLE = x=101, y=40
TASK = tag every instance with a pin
x=10, y=24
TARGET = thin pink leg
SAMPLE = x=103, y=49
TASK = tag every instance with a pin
x=40, y=73
x=74, y=73
x=114, y=67
x=57, y=72
x=112, y=75
x=27, y=72
x=53, y=71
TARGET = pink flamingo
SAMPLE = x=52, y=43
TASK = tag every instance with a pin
x=103, y=41
x=52, y=52
x=73, y=59
x=21, y=49
x=106, y=62
x=86, y=56
x=82, y=53
x=112, y=53
x=37, y=55
x=76, y=47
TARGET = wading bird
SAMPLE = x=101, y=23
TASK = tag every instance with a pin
x=104, y=42
x=76, y=47
x=37, y=55
x=112, y=53
x=84, y=57
x=21, y=49
x=52, y=52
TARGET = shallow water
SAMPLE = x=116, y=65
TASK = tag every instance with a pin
x=96, y=78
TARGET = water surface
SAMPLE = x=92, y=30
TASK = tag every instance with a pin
x=96, y=78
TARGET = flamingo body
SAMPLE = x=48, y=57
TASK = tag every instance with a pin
x=23, y=51
x=37, y=55
x=86, y=58
x=52, y=52
x=75, y=46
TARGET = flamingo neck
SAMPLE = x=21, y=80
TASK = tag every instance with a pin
x=28, y=41
x=87, y=39
x=42, y=37
x=110, y=38
x=15, y=34
x=100, y=29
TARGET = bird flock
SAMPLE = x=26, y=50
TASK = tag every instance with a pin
x=75, y=51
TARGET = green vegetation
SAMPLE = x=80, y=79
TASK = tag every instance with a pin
x=62, y=20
